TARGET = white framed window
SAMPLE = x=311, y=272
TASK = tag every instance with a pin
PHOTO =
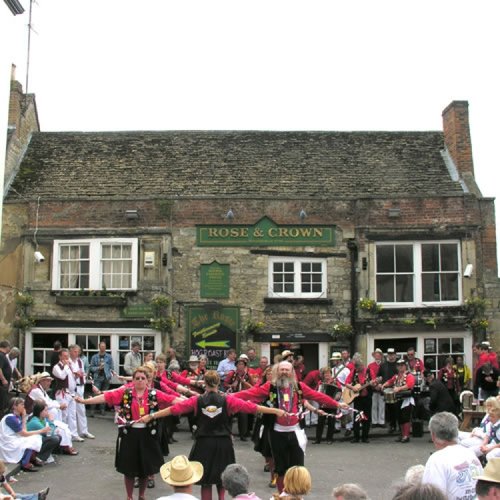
x=95, y=264
x=297, y=277
x=418, y=273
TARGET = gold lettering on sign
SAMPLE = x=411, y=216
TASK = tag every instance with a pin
x=212, y=232
x=318, y=232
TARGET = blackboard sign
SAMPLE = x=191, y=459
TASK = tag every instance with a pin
x=212, y=331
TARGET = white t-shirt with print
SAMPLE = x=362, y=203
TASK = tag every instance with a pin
x=453, y=469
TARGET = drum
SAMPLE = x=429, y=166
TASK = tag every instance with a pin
x=389, y=396
x=403, y=394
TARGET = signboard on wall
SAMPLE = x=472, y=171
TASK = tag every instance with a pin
x=212, y=331
x=214, y=281
x=264, y=233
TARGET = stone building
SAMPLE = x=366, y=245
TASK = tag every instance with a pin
x=256, y=238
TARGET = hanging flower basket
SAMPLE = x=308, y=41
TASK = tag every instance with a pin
x=342, y=331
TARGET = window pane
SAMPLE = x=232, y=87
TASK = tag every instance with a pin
x=385, y=288
x=289, y=288
x=306, y=267
x=430, y=257
x=457, y=345
x=385, y=259
x=317, y=267
x=278, y=267
x=289, y=267
x=430, y=287
x=449, y=257
x=404, y=288
x=404, y=258
x=444, y=346
x=306, y=288
x=449, y=286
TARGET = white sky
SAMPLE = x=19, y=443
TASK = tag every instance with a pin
x=264, y=64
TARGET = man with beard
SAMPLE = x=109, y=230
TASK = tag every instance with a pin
x=387, y=370
x=288, y=439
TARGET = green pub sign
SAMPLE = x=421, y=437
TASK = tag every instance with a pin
x=264, y=233
x=214, y=280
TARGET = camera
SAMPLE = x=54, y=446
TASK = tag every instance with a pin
x=39, y=257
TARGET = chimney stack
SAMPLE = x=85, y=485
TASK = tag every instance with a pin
x=16, y=100
x=457, y=136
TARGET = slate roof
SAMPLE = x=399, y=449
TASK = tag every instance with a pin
x=233, y=164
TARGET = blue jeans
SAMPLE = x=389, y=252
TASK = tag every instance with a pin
x=102, y=383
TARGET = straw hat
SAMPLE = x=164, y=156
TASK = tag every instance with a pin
x=286, y=353
x=391, y=350
x=377, y=350
x=193, y=359
x=41, y=376
x=335, y=356
x=491, y=471
x=243, y=358
x=181, y=472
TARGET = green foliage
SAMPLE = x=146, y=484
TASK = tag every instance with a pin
x=161, y=321
x=23, y=319
x=251, y=327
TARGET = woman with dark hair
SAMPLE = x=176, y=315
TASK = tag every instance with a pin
x=40, y=420
x=16, y=442
x=213, y=446
x=138, y=452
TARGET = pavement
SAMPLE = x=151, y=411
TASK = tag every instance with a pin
x=376, y=466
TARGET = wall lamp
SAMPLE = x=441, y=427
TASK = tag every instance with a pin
x=131, y=214
x=302, y=214
x=230, y=214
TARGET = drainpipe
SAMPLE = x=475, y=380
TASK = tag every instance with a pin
x=353, y=254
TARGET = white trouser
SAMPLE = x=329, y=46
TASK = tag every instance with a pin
x=69, y=413
x=63, y=430
x=493, y=454
x=81, y=415
x=468, y=441
x=378, y=408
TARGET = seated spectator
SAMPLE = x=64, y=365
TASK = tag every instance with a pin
x=420, y=492
x=40, y=392
x=479, y=435
x=349, y=491
x=487, y=377
x=41, y=495
x=38, y=421
x=16, y=442
x=490, y=446
x=235, y=481
x=414, y=474
x=181, y=474
x=488, y=485
x=452, y=468
x=297, y=483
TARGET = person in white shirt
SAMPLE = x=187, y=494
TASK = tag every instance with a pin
x=80, y=376
x=452, y=468
x=65, y=391
x=181, y=474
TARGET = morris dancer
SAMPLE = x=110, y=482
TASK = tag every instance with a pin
x=213, y=446
x=138, y=452
x=403, y=383
x=288, y=439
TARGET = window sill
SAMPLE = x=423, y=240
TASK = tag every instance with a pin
x=90, y=301
x=290, y=300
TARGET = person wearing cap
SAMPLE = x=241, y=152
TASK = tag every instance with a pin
x=387, y=370
x=440, y=398
x=340, y=372
x=287, y=437
x=235, y=381
x=193, y=372
x=213, y=446
x=378, y=403
x=452, y=468
x=488, y=483
x=403, y=383
x=181, y=474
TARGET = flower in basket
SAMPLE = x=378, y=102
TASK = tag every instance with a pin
x=251, y=327
x=342, y=330
x=369, y=305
